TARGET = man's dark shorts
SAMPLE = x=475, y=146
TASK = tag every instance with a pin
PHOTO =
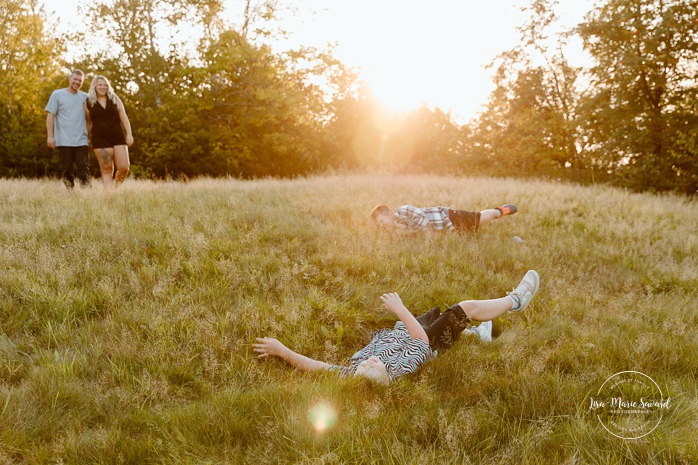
x=464, y=220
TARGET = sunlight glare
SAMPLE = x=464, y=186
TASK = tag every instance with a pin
x=412, y=52
x=322, y=416
x=409, y=52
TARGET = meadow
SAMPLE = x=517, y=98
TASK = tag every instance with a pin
x=126, y=322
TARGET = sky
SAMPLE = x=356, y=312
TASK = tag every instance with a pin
x=410, y=52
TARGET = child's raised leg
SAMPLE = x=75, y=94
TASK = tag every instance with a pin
x=486, y=310
x=493, y=213
x=516, y=300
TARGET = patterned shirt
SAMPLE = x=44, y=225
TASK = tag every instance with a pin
x=400, y=353
x=421, y=218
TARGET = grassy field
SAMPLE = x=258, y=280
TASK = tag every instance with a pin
x=126, y=320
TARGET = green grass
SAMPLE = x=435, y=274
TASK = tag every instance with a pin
x=126, y=320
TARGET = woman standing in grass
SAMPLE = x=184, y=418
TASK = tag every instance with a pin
x=405, y=348
x=109, y=130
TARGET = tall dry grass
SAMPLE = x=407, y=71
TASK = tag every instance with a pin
x=126, y=320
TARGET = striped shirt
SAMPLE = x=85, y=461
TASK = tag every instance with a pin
x=421, y=218
x=400, y=353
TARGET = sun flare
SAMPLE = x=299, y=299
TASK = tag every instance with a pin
x=322, y=416
x=409, y=52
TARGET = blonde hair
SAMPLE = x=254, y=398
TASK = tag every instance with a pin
x=374, y=374
x=92, y=94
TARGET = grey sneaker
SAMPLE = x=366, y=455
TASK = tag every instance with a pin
x=507, y=209
x=524, y=292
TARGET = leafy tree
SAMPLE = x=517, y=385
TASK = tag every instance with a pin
x=146, y=55
x=531, y=125
x=144, y=41
x=642, y=115
x=227, y=107
x=247, y=108
x=28, y=61
x=181, y=144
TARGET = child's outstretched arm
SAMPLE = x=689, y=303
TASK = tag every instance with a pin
x=266, y=346
x=392, y=302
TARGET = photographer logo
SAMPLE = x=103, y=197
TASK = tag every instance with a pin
x=629, y=405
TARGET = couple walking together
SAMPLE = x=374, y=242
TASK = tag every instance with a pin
x=77, y=121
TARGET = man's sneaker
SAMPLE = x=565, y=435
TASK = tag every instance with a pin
x=524, y=292
x=507, y=209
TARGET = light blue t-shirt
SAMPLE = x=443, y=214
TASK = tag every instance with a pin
x=69, y=126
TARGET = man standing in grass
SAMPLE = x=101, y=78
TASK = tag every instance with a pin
x=405, y=348
x=411, y=218
x=66, y=126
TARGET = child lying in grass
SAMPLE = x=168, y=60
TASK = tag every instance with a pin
x=411, y=218
x=404, y=349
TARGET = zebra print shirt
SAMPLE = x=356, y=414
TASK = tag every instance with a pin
x=400, y=353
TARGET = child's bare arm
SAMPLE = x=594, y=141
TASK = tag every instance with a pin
x=393, y=303
x=266, y=346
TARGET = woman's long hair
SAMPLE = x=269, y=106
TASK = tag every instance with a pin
x=92, y=94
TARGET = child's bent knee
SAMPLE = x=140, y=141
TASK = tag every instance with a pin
x=469, y=308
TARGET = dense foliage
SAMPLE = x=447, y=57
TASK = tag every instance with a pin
x=630, y=118
x=28, y=67
x=222, y=102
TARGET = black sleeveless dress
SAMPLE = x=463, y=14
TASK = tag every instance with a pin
x=106, y=125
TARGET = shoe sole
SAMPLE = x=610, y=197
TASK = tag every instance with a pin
x=528, y=296
x=507, y=209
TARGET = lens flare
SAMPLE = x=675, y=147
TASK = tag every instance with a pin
x=322, y=416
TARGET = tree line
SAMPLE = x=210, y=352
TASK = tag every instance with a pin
x=228, y=104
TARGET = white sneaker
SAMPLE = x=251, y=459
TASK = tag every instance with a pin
x=484, y=331
x=524, y=292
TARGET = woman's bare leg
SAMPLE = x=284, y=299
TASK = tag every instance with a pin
x=105, y=158
x=123, y=164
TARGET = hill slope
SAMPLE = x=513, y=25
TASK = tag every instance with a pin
x=126, y=321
